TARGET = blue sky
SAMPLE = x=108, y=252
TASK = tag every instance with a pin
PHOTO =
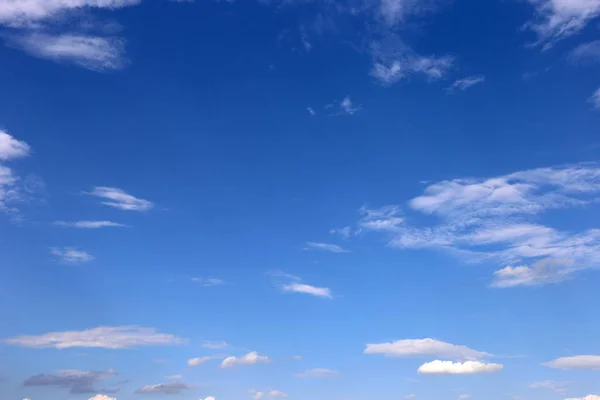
x=294, y=199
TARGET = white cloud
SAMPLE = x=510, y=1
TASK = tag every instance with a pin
x=276, y=393
x=452, y=368
x=24, y=12
x=344, y=107
x=588, y=397
x=89, y=224
x=386, y=218
x=466, y=83
x=595, y=99
x=584, y=362
x=164, y=388
x=221, y=344
x=559, y=19
x=319, y=373
x=209, y=281
x=345, y=232
x=11, y=148
x=311, y=111
x=118, y=198
x=257, y=395
x=424, y=347
x=464, y=396
x=70, y=255
x=194, y=362
x=92, y=52
x=250, y=358
x=102, y=397
x=558, y=387
x=118, y=337
x=209, y=397
x=175, y=377
x=540, y=273
x=410, y=396
x=307, y=289
x=586, y=53
x=333, y=248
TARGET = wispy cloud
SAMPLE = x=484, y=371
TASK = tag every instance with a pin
x=71, y=255
x=311, y=111
x=164, y=388
x=425, y=348
x=11, y=148
x=319, y=373
x=296, y=287
x=118, y=198
x=595, y=99
x=194, y=362
x=77, y=382
x=466, y=83
x=11, y=190
x=89, y=224
x=344, y=107
x=558, y=387
x=558, y=19
x=218, y=345
x=209, y=281
x=248, y=359
x=456, y=368
x=588, y=397
x=584, y=362
x=585, y=53
x=269, y=393
x=333, y=248
x=108, y=337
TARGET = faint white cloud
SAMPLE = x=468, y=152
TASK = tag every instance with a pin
x=319, y=373
x=11, y=148
x=108, y=337
x=458, y=368
x=344, y=107
x=386, y=218
x=11, y=188
x=333, y=248
x=559, y=19
x=466, y=83
x=586, y=53
x=595, y=99
x=394, y=12
x=558, y=387
x=194, y=362
x=101, y=397
x=164, y=388
x=89, y=224
x=71, y=255
x=175, y=377
x=209, y=281
x=248, y=359
x=588, y=397
x=296, y=287
x=270, y=393
x=311, y=111
x=209, y=397
x=540, y=273
x=410, y=396
x=118, y=198
x=425, y=348
x=345, y=232
x=92, y=52
x=584, y=362
x=297, y=357
x=221, y=344
x=464, y=396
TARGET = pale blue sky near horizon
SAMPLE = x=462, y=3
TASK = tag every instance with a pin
x=299, y=199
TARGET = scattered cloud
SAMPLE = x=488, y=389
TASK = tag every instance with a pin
x=297, y=358
x=466, y=83
x=257, y=395
x=89, y=224
x=585, y=54
x=410, y=396
x=296, y=287
x=70, y=255
x=558, y=387
x=11, y=148
x=12, y=190
x=250, y=358
x=118, y=337
x=319, y=373
x=558, y=19
x=424, y=348
x=346, y=232
x=209, y=281
x=595, y=99
x=194, y=362
x=209, y=397
x=585, y=362
x=77, y=382
x=218, y=345
x=344, y=107
x=118, y=198
x=464, y=396
x=164, y=388
x=333, y=248
x=458, y=368
x=540, y=273
x=95, y=53
x=588, y=397
x=102, y=397
x=175, y=377
x=311, y=111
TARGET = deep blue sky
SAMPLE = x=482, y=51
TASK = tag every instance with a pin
x=352, y=189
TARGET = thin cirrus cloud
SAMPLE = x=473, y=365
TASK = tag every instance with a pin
x=247, y=359
x=117, y=337
x=164, y=388
x=466, y=83
x=296, y=287
x=333, y=248
x=585, y=53
x=425, y=348
x=344, y=107
x=71, y=255
x=588, y=397
x=75, y=381
x=595, y=99
x=118, y=198
x=220, y=344
x=558, y=387
x=497, y=219
x=319, y=373
x=583, y=362
x=209, y=281
x=10, y=189
x=194, y=362
x=558, y=19
x=438, y=367
x=89, y=224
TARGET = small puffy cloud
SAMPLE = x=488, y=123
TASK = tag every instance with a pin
x=250, y=358
x=344, y=107
x=102, y=397
x=588, y=397
x=540, y=273
x=466, y=83
x=333, y=248
x=164, y=388
x=209, y=281
x=584, y=362
x=95, y=53
x=71, y=255
x=319, y=373
x=76, y=381
x=307, y=289
x=457, y=368
x=424, y=348
x=89, y=224
x=118, y=198
x=586, y=53
x=275, y=393
x=118, y=337
x=217, y=345
x=11, y=148
x=194, y=362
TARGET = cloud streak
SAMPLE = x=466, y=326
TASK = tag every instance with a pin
x=456, y=368
x=118, y=198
